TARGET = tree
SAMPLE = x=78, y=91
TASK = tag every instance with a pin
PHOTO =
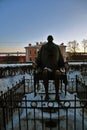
x=73, y=46
x=84, y=43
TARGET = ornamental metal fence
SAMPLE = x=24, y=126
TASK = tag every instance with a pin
x=24, y=108
x=45, y=115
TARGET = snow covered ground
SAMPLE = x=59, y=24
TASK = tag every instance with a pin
x=10, y=81
x=13, y=65
x=62, y=116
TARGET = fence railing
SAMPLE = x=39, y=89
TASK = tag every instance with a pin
x=77, y=85
x=46, y=115
x=23, y=108
x=13, y=96
x=7, y=98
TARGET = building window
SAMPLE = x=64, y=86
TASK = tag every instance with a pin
x=35, y=58
x=35, y=51
x=30, y=51
x=30, y=58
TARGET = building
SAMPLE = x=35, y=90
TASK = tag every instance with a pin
x=29, y=55
x=63, y=50
x=32, y=51
x=12, y=57
x=78, y=56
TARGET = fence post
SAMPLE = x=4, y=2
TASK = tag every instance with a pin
x=65, y=78
x=1, y=116
x=76, y=84
x=24, y=83
x=35, y=81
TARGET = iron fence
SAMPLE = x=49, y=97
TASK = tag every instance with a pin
x=46, y=115
x=24, y=108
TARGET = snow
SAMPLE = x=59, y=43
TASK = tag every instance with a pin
x=14, y=65
x=77, y=63
x=8, y=82
x=54, y=116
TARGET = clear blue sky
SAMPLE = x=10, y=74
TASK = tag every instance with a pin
x=30, y=21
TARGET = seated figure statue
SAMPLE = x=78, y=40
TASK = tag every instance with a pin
x=50, y=61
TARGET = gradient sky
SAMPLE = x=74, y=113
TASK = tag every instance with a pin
x=30, y=21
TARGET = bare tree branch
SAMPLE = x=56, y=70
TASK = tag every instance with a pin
x=73, y=46
x=84, y=43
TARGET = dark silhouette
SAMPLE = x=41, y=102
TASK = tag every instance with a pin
x=49, y=62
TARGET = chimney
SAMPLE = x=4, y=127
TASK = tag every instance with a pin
x=62, y=44
x=29, y=44
x=37, y=43
x=40, y=42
